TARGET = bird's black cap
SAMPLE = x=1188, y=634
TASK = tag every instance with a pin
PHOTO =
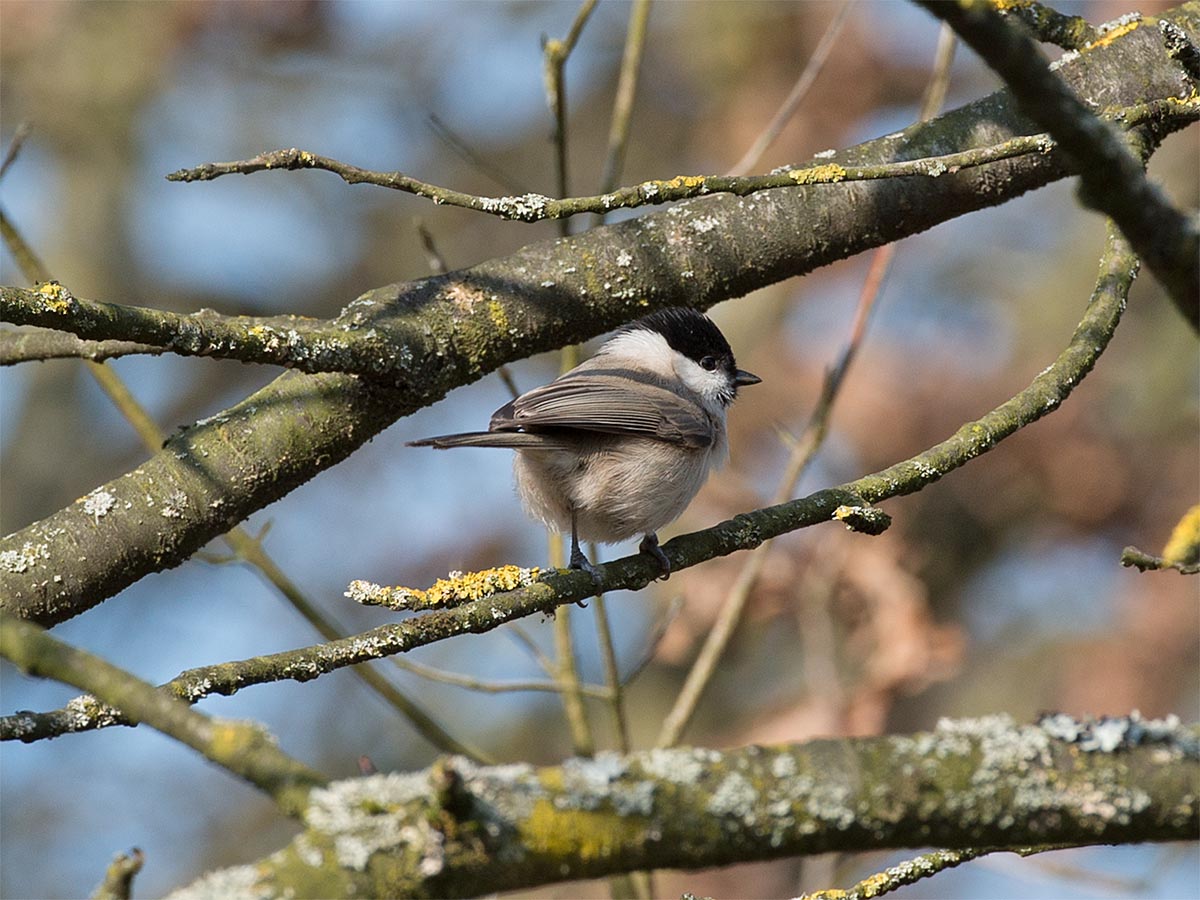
x=686, y=331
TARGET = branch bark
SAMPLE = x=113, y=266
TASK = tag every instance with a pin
x=453, y=329
x=459, y=830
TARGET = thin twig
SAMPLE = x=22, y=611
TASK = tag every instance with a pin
x=526, y=641
x=14, y=147
x=484, y=686
x=612, y=673
x=657, y=633
x=533, y=207
x=627, y=82
x=464, y=150
x=808, y=76
x=555, y=54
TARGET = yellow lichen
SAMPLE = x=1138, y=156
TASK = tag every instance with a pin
x=58, y=299
x=1119, y=31
x=874, y=885
x=1183, y=546
x=688, y=182
x=581, y=834
x=498, y=315
x=459, y=588
x=830, y=173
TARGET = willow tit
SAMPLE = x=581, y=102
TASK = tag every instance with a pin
x=620, y=445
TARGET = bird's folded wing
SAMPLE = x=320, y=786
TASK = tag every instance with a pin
x=609, y=404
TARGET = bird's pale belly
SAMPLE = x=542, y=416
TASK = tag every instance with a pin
x=617, y=489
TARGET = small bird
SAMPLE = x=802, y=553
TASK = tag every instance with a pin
x=619, y=445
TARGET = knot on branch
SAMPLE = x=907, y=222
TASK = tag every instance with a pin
x=864, y=519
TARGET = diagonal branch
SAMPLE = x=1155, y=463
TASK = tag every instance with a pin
x=239, y=747
x=1112, y=178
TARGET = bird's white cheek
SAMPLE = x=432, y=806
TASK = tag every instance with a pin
x=709, y=385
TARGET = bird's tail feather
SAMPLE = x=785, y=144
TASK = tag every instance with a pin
x=513, y=440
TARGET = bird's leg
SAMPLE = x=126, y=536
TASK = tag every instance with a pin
x=578, y=559
x=649, y=546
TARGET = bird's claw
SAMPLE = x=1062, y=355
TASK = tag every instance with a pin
x=649, y=546
x=581, y=562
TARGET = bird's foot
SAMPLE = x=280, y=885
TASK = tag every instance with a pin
x=580, y=561
x=649, y=546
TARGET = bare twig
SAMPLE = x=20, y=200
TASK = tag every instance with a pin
x=537, y=207
x=118, y=877
x=799, y=91
x=555, y=54
x=485, y=686
x=1050, y=26
x=463, y=149
x=14, y=147
x=627, y=81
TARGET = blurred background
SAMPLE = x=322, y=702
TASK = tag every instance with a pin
x=996, y=590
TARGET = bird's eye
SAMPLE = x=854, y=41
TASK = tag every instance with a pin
x=709, y=363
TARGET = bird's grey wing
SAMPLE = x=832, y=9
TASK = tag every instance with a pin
x=610, y=404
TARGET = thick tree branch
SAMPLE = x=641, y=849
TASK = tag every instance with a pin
x=460, y=830
x=1112, y=178
x=453, y=329
x=321, y=345
x=849, y=503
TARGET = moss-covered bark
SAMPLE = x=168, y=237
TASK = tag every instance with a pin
x=459, y=830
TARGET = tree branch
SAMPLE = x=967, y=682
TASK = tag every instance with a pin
x=1112, y=179
x=1050, y=26
x=41, y=344
x=460, y=830
x=241, y=748
x=450, y=330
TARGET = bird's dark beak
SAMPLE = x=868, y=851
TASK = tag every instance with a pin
x=742, y=378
